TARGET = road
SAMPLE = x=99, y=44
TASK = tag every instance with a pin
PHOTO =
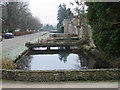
x=11, y=48
x=10, y=43
x=72, y=84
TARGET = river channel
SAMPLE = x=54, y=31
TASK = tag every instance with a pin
x=64, y=60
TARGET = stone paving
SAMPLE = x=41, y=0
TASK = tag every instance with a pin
x=81, y=84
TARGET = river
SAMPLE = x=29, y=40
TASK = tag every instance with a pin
x=64, y=60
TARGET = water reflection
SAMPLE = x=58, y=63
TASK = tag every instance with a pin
x=24, y=63
x=63, y=57
x=88, y=60
x=52, y=62
x=60, y=61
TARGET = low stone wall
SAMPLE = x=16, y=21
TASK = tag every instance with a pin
x=45, y=76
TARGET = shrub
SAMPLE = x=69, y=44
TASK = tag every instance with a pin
x=104, y=19
x=7, y=63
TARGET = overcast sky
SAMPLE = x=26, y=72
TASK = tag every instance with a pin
x=46, y=10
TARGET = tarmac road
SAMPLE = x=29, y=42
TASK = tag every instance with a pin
x=13, y=42
x=12, y=48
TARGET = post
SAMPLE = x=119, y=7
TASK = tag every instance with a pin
x=67, y=47
x=48, y=48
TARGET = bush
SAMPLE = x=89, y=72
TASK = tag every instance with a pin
x=104, y=19
x=7, y=63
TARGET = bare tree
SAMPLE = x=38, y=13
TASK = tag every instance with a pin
x=17, y=15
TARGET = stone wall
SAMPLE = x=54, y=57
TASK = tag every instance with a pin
x=69, y=27
x=45, y=76
x=84, y=32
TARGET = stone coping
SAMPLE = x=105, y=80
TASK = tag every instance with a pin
x=61, y=75
x=83, y=70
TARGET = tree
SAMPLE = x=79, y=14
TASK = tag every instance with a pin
x=16, y=15
x=49, y=27
x=62, y=14
x=105, y=21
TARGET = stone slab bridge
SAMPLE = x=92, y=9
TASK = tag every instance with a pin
x=61, y=41
x=32, y=46
x=67, y=45
x=49, y=45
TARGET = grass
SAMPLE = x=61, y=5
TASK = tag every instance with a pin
x=7, y=63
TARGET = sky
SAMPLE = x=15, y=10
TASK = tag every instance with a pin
x=46, y=10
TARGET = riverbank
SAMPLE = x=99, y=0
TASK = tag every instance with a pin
x=104, y=60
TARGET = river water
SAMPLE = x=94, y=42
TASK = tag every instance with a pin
x=59, y=61
x=63, y=61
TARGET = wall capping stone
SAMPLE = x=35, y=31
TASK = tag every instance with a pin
x=61, y=75
x=15, y=70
